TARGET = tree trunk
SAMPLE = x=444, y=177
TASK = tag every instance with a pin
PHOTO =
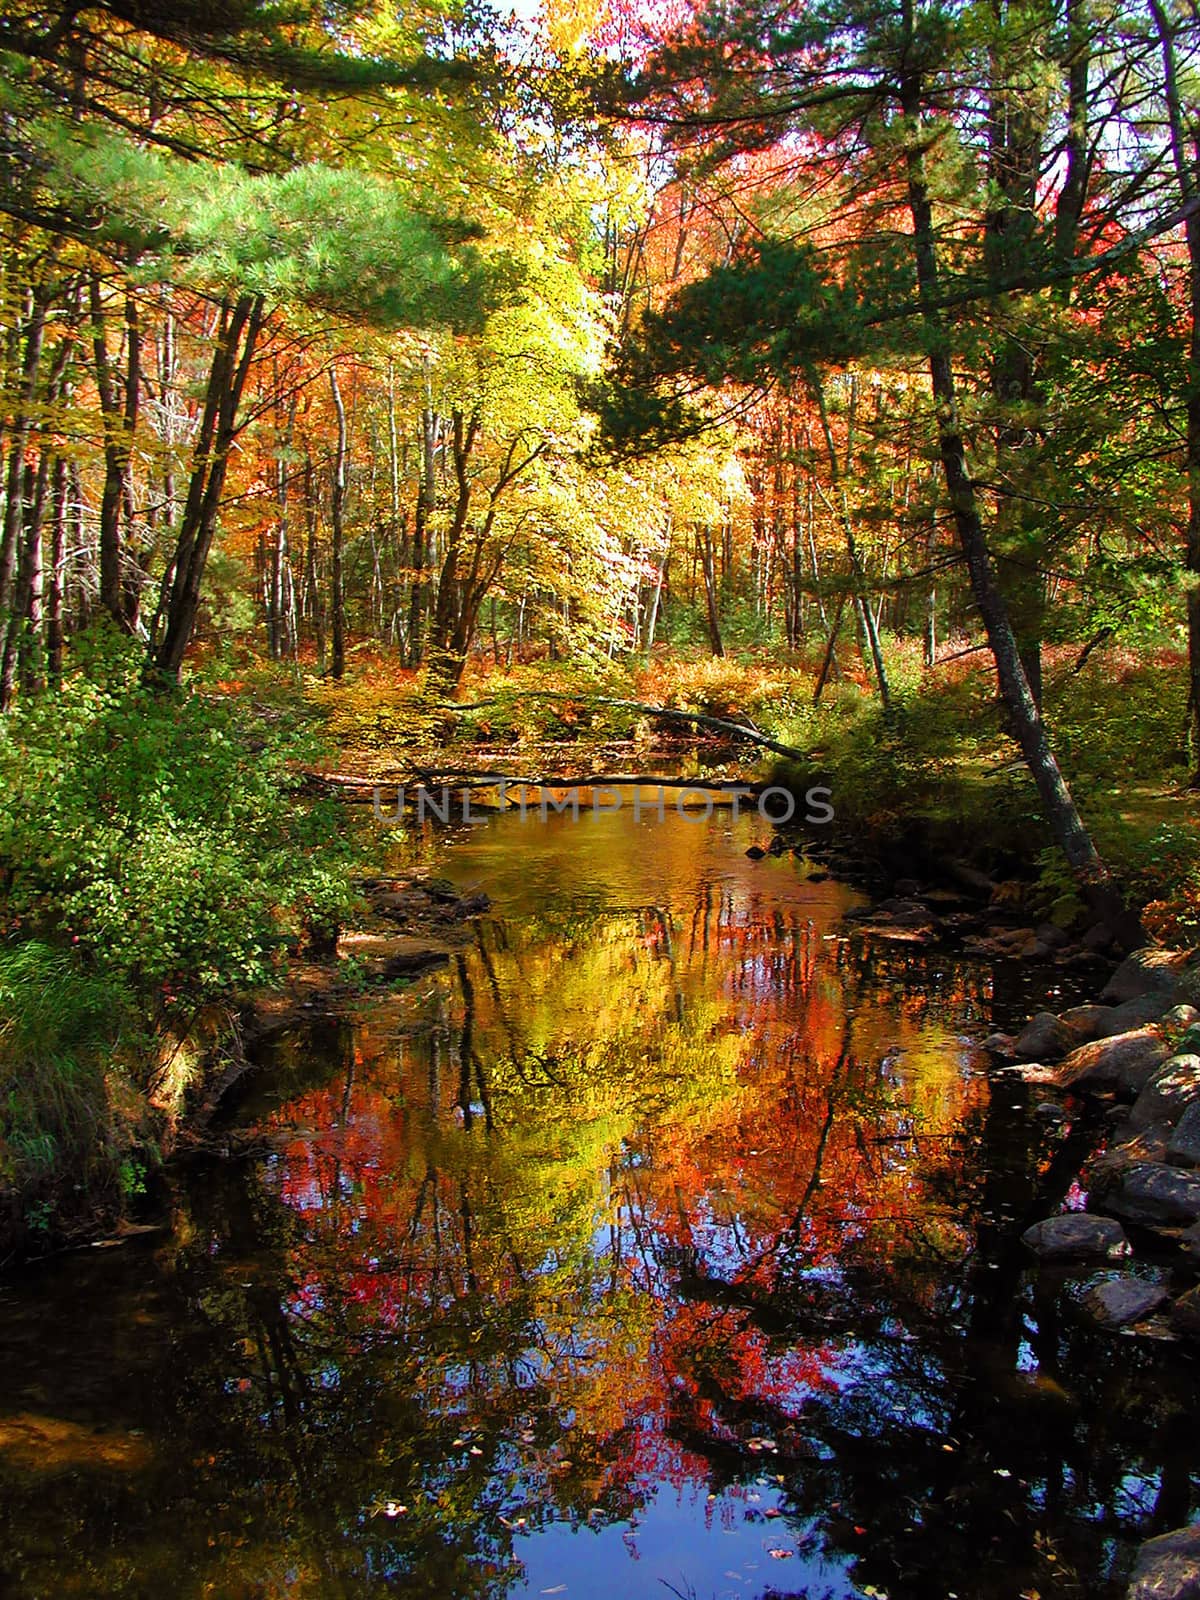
x=237, y=333
x=278, y=634
x=58, y=562
x=337, y=512
x=710, y=592
x=118, y=415
x=426, y=507
x=1067, y=827
x=10, y=539
x=1185, y=155
x=312, y=576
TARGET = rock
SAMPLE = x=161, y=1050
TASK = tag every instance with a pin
x=897, y=909
x=1190, y=1240
x=1098, y=937
x=1185, y=1313
x=1168, y=1093
x=1167, y=1568
x=1181, y=1017
x=999, y=1045
x=1183, y=1146
x=907, y=888
x=971, y=878
x=1124, y=1300
x=1150, y=1193
x=1051, y=935
x=1146, y=971
x=1124, y=1062
x=894, y=913
x=399, y=906
x=1187, y=986
x=1044, y=1038
x=472, y=905
x=1133, y=1014
x=1049, y=1111
x=1087, y=1022
x=440, y=890
x=1076, y=1236
x=412, y=962
x=1132, y=1150
x=756, y=852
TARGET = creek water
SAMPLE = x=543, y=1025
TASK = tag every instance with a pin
x=666, y=1242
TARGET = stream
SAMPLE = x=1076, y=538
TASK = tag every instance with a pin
x=666, y=1242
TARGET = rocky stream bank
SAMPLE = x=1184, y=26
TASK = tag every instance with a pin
x=1132, y=1059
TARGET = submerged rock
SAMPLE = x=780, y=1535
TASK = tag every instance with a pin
x=1076, y=1236
x=1152, y=1194
x=1168, y=1568
x=1121, y=1301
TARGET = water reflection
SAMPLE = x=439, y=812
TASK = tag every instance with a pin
x=664, y=1243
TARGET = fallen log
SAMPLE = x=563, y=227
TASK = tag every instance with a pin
x=739, y=730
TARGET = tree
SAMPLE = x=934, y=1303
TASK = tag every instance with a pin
x=901, y=128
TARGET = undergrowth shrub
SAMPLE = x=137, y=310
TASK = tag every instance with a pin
x=65, y=1151
x=154, y=858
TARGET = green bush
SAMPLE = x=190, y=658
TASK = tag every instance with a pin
x=154, y=858
x=158, y=836
x=63, y=1149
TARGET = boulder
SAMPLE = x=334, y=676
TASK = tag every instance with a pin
x=411, y=963
x=1152, y=1194
x=1133, y=1014
x=1000, y=1045
x=1124, y=1063
x=1181, y=1017
x=1044, y=1038
x=1187, y=986
x=1183, y=1147
x=1076, y=1236
x=1185, y=1313
x=1168, y=1568
x=896, y=909
x=1087, y=1022
x=1118, y=1302
x=1168, y=1093
x=1146, y=971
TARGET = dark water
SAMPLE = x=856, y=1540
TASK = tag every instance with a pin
x=663, y=1244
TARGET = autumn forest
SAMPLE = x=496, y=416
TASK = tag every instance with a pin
x=604, y=392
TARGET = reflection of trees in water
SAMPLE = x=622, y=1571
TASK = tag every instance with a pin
x=624, y=1195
